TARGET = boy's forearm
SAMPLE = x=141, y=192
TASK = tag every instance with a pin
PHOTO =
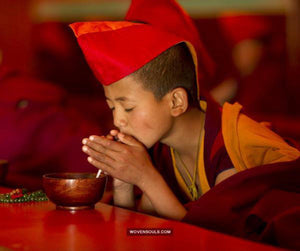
x=145, y=205
x=123, y=195
x=162, y=198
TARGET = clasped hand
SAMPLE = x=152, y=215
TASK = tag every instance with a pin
x=126, y=159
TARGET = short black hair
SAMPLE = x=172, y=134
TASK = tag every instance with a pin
x=171, y=69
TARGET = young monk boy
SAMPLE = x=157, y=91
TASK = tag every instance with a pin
x=151, y=75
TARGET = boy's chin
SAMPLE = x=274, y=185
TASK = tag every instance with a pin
x=148, y=145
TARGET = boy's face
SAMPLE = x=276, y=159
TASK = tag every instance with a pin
x=136, y=111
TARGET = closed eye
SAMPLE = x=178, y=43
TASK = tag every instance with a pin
x=128, y=110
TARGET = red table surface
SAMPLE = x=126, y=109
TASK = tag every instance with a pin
x=39, y=226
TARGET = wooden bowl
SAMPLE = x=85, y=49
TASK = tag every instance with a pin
x=74, y=191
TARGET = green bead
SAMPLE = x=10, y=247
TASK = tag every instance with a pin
x=38, y=195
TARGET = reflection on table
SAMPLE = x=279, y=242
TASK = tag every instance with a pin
x=39, y=226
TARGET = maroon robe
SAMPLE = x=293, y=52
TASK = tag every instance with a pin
x=261, y=203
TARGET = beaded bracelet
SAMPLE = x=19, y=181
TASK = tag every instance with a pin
x=22, y=195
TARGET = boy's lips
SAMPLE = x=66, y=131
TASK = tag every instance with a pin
x=126, y=133
x=132, y=135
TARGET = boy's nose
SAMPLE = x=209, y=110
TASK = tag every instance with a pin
x=119, y=122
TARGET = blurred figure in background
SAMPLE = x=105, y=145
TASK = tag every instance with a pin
x=255, y=72
x=44, y=116
x=259, y=55
x=39, y=131
x=59, y=60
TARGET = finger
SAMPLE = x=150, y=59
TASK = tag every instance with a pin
x=128, y=140
x=110, y=137
x=101, y=149
x=85, y=140
x=114, y=132
x=106, y=143
x=99, y=156
x=105, y=168
x=93, y=145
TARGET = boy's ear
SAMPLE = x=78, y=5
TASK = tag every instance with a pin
x=178, y=101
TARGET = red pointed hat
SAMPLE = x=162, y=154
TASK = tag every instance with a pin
x=170, y=16
x=116, y=49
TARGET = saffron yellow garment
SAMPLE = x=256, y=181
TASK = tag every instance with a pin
x=250, y=143
x=247, y=142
